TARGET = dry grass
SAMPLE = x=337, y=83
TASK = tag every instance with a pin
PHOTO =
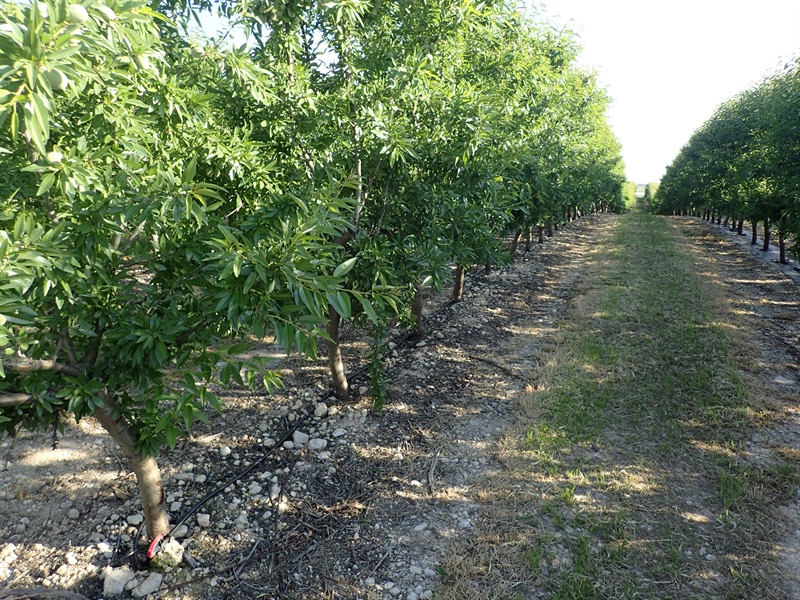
x=624, y=476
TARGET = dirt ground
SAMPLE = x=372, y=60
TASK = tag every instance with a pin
x=369, y=504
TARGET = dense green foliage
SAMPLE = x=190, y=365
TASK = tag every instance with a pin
x=742, y=163
x=166, y=198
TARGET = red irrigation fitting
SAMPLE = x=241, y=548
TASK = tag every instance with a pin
x=154, y=547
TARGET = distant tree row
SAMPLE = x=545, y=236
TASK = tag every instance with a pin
x=742, y=164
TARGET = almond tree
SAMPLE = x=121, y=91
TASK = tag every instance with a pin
x=143, y=234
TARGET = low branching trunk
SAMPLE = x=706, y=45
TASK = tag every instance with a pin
x=515, y=242
x=528, y=235
x=416, y=312
x=782, y=246
x=146, y=470
x=754, y=236
x=541, y=234
x=458, y=284
x=740, y=227
x=549, y=229
x=335, y=362
x=765, y=247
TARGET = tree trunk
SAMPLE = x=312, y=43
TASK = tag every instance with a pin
x=487, y=269
x=528, y=235
x=754, y=238
x=416, y=310
x=151, y=489
x=765, y=247
x=335, y=361
x=740, y=226
x=550, y=229
x=727, y=219
x=782, y=246
x=541, y=234
x=458, y=284
x=515, y=242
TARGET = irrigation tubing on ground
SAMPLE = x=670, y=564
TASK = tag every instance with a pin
x=157, y=542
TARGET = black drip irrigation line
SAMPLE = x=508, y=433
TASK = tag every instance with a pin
x=157, y=543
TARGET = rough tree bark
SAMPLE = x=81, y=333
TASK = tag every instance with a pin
x=765, y=247
x=458, y=284
x=416, y=311
x=146, y=470
x=515, y=242
x=541, y=234
x=782, y=246
x=754, y=237
x=335, y=362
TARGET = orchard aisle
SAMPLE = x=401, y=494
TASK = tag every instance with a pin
x=608, y=417
x=366, y=507
x=656, y=452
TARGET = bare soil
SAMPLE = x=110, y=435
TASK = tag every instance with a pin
x=375, y=512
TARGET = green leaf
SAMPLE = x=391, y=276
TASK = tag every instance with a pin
x=47, y=182
x=367, y=306
x=341, y=303
x=344, y=268
x=189, y=172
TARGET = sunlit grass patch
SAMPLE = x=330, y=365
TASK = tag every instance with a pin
x=628, y=450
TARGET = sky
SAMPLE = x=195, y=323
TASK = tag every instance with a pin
x=667, y=64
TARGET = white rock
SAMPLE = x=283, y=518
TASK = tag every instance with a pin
x=412, y=596
x=299, y=438
x=73, y=513
x=274, y=492
x=320, y=409
x=175, y=506
x=338, y=432
x=114, y=580
x=170, y=555
x=369, y=581
x=224, y=451
x=7, y=552
x=783, y=380
x=421, y=527
x=325, y=455
x=181, y=532
x=135, y=519
x=203, y=519
x=200, y=479
x=426, y=595
x=317, y=444
x=254, y=489
x=362, y=390
x=148, y=586
x=288, y=445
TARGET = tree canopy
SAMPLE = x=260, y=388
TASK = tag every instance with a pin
x=167, y=198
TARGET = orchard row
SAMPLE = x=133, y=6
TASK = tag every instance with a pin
x=167, y=199
x=742, y=163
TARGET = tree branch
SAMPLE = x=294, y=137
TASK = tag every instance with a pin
x=28, y=365
x=13, y=399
